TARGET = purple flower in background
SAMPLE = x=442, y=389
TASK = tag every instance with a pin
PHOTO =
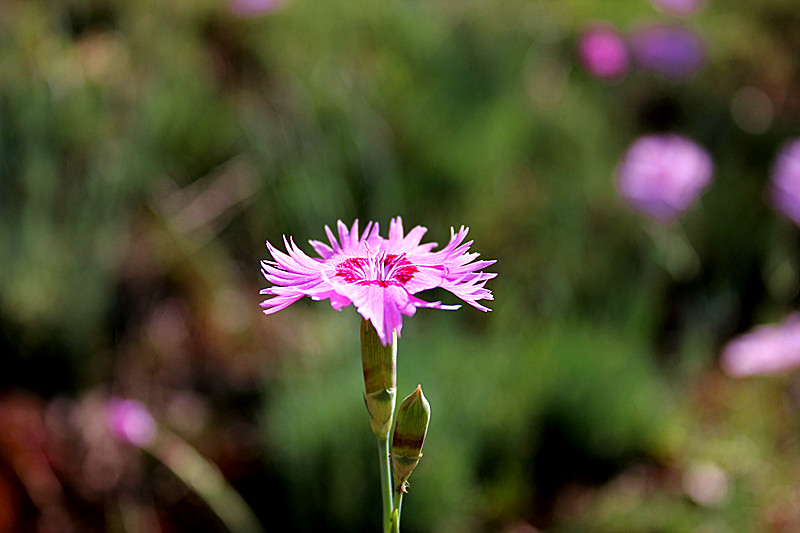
x=785, y=187
x=663, y=174
x=379, y=276
x=678, y=7
x=603, y=52
x=247, y=8
x=765, y=350
x=130, y=422
x=672, y=51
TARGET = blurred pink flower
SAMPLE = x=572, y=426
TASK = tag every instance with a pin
x=379, y=276
x=603, y=52
x=673, y=51
x=764, y=350
x=663, y=174
x=130, y=422
x=678, y=7
x=247, y=8
x=785, y=185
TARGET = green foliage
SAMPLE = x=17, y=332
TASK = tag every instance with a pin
x=147, y=150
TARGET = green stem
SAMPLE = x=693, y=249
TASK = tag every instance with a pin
x=398, y=504
x=386, y=482
x=205, y=479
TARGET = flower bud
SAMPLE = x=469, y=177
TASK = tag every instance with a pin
x=409, y=434
x=379, y=363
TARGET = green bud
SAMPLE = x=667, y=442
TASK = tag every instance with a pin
x=379, y=363
x=409, y=435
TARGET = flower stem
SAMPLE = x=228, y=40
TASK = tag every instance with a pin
x=386, y=482
x=205, y=479
x=398, y=504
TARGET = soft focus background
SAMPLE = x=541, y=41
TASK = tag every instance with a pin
x=148, y=149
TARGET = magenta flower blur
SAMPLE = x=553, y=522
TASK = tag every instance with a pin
x=678, y=7
x=765, y=350
x=785, y=184
x=661, y=175
x=379, y=276
x=603, y=52
x=130, y=422
x=672, y=51
x=247, y=8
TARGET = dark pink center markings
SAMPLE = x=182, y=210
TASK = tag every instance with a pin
x=383, y=270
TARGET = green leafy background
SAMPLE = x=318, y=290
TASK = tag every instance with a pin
x=147, y=150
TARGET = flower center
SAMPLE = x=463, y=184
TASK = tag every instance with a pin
x=382, y=269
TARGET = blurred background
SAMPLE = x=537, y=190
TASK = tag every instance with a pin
x=148, y=149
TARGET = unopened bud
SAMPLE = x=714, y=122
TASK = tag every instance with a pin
x=409, y=435
x=380, y=378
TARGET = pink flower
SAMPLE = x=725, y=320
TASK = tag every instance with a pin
x=672, y=51
x=130, y=422
x=379, y=276
x=785, y=185
x=662, y=175
x=765, y=350
x=603, y=52
x=247, y=8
